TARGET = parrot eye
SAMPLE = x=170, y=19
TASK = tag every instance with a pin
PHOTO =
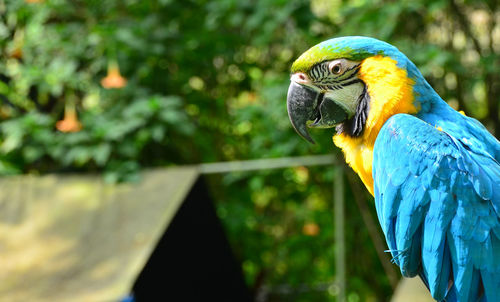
x=335, y=67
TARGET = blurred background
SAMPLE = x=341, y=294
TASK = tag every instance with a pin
x=114, y=87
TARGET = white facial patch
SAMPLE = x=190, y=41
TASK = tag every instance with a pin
x=347, y=97
x=345, y=64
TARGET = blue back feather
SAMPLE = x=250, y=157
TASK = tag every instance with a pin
x=437, y=201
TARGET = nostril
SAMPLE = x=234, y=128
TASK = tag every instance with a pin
x=300, y=78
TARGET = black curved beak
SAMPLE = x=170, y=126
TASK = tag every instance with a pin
x=306, y=104
x=300, y=103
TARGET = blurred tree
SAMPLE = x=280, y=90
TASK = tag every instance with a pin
x=206, y=81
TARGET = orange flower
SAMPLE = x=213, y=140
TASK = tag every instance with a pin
x=310, y=229
x=15, y=49
x=34, y=1
x=70, y=122
x=113, y=79
x=16, y=53
x=4, y=113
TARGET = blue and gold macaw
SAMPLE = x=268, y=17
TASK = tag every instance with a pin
x=433, y=171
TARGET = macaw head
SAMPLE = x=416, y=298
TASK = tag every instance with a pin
x=352, y=83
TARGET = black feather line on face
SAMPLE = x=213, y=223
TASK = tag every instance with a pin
x=355, y=126
x=320, y=74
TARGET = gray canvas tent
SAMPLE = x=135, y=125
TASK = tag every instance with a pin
x=75, y=238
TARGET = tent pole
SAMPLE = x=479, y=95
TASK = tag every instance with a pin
x=338, y=209
x=266, y=164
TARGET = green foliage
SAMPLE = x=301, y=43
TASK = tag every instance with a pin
x=207, y=81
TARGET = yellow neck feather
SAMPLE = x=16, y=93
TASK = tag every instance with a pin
x=390, y=92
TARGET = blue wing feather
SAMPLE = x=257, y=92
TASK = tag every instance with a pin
x=438, y=202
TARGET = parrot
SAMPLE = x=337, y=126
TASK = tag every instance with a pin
x=433, y=171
